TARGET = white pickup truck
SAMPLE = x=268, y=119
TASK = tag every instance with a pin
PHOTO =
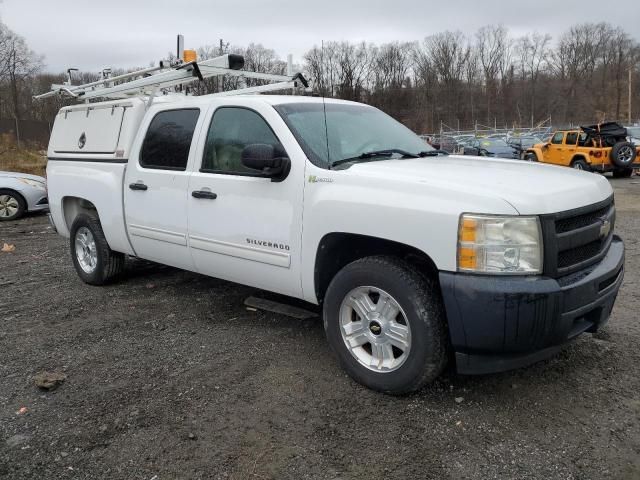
x=417, y=258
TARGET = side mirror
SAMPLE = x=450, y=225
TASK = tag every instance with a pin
x=269, y=160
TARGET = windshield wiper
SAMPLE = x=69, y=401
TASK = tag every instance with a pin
x=432, y=153
x=375, y=153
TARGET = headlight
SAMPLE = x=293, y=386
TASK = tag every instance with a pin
x=32, y=183
x=499, y=245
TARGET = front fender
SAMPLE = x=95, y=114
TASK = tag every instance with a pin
x=412, y=214
x=537, y=151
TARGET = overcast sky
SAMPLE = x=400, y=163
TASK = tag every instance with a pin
x=126, y=33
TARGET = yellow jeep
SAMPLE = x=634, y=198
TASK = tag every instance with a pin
x=602, y=148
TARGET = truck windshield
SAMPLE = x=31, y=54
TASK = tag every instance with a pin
x=353, y=133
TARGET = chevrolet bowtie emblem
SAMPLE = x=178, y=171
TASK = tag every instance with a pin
x=605, y=228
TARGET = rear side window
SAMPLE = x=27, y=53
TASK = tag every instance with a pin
x=168, y=140
x=572, y=138
x=557, y=138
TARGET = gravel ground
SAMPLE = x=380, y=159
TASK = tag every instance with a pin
x=169, y=376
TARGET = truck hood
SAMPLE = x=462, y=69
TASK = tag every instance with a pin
x=531, y=188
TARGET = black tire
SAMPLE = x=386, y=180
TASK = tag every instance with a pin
x=14, y=197
x=531, y=157
x=623, y=173
x=109, y=264
x=623, y=154
x=418, y=296
x=580, y=164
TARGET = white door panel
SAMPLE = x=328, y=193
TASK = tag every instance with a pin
x=241, y=251
x=156, y=198
x=251, y=232
x=248, y=232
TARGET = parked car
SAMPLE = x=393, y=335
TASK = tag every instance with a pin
x=415, y=257
x=522, y=143
x=634, y=134
x=20, y=193
x=499, y=136
x=490, y=147
x=601, y=148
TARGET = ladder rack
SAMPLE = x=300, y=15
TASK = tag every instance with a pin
x=153, y=80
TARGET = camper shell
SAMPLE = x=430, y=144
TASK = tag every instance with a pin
x=102, y=130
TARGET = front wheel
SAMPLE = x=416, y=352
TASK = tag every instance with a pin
x=386, y=324
x=12, y=205
x=94, y=261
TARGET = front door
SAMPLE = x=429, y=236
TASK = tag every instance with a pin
x=156, y=187
x=554, y=154
x=242, y=226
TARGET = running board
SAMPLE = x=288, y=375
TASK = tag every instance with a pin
x=281, y=308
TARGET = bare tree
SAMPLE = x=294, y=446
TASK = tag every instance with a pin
x=533, y=51
x=492, y=48
x=17, y=63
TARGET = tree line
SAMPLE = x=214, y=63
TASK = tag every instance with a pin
x=447, y=79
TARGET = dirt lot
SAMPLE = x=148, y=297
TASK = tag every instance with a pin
x=170, y=376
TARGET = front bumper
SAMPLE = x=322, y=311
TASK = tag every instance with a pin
x=498, y=323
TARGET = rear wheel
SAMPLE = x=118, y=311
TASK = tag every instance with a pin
x=94, y=261
x=386, y=324
x=12, y=205
x=531, y=157
x=580, y=164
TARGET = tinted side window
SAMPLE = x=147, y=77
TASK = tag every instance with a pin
x=557, y=138
x=572, y=138
x=168, y=140
x=231, y=130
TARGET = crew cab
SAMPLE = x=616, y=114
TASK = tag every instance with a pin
x=417, y=258
x=598, y=148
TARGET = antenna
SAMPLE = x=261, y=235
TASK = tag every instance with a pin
x=324, y=107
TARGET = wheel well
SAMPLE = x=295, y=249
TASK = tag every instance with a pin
x=336, y=250
x=74, y=206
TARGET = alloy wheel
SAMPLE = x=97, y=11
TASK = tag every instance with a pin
x=375, y=329
x=86, y=250
x=8, y=206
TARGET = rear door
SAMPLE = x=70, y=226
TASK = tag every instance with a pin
x=156, y=186
x=571, y=147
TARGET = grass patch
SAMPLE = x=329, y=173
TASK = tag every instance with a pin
x=26, y=159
